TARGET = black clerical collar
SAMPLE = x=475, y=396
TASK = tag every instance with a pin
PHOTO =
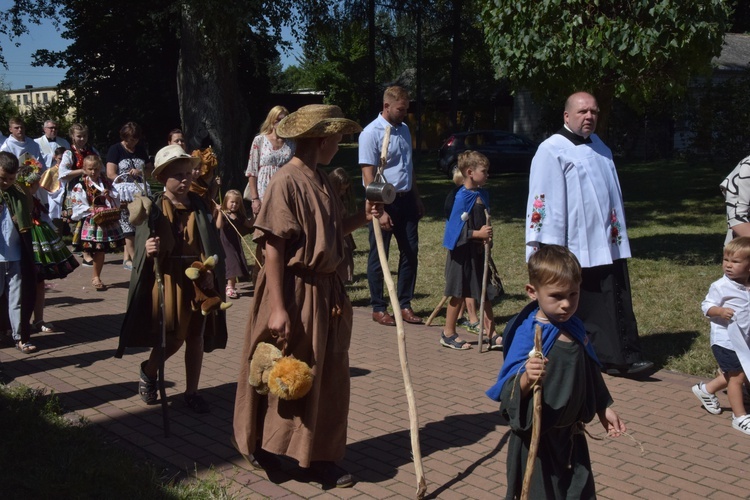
x=574, y=138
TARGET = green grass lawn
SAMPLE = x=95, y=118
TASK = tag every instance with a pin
x=676, y=221
x=46, y=455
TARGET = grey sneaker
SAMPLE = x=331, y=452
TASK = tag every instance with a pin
x=709, y=401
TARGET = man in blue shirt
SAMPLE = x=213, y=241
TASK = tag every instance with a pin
x=400, y=218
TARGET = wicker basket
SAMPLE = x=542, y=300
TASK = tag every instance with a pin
x=106, y=215
x=128, y=188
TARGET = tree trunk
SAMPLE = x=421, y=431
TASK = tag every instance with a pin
x=212, y=109
x=457, y=49
x=605, y=96
x=376, y=104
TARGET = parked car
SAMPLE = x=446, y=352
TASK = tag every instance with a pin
x=507, y=152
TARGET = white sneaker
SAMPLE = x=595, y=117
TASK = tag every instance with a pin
x=742, y=423
x=709, y=401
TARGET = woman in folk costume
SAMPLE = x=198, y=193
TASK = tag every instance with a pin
x=71, y=166
x=300, y=304
x=52, y=258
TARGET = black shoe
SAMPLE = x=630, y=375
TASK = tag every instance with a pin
x=624, y=370
x=87, y=263
x=639, y=367
x=196, y=403
x=330, y=474
x=260, y=459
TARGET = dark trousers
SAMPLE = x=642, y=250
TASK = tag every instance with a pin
x=606, y=309
x=404, y=216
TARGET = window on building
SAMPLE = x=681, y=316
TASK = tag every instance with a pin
x=38, y=100
x=45, y=98
x=26, y=99
x=18, y=100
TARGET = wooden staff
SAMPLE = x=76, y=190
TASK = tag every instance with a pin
x=162, y=314
x=436, y=310
x=413, y=418
x=536, y=423
x=163, y=343
x=485, y=275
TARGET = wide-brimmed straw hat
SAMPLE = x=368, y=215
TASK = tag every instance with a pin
x=169, y=154
x=316, y=120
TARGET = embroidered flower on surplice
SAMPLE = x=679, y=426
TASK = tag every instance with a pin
x=615, y=230
x=538, y=212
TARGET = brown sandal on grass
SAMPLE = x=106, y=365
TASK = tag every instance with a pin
x=98, y=285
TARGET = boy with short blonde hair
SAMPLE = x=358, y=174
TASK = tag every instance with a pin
x=578, y=392
x=728, y=308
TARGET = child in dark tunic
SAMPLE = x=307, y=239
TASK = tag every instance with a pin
x=574, y=389
x=232, y=224
x=465, y=234
x=179, y=231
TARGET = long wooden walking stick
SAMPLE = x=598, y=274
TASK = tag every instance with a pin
x=413, y=418
x=536, y=422
x=140, y=210
x=163, y=343
x=485, y=275
x=436, y=310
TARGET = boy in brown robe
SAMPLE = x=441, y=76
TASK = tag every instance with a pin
x=300, y=304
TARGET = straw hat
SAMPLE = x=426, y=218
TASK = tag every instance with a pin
x=316, y=120
x=168, y=154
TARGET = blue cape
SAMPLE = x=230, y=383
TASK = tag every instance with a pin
x=518, y=352
x=464, y=203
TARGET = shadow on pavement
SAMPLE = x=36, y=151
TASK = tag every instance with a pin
x=434, y=437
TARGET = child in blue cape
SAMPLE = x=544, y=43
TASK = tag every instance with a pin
x=573, y=387
x=465, y=234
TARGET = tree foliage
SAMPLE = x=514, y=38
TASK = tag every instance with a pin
x=121, y=66
x=337, y=56
x=633, y=50
x=719, y=118
x=203, y=65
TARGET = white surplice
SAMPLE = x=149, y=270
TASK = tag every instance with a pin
x=575, y=201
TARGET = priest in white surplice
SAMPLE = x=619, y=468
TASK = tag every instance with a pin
x=575, y=201
x=49, y=142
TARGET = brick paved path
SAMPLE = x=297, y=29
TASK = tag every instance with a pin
x=688, y=453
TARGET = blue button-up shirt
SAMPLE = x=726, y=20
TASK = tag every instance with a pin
x=399, y=168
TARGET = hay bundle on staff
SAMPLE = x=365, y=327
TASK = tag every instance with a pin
x=301, y=306
x=206, y=181
x=575, y=390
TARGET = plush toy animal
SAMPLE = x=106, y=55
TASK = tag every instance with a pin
x=283, y=376
x=207, y=299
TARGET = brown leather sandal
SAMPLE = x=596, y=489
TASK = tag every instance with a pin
x=98, y=285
